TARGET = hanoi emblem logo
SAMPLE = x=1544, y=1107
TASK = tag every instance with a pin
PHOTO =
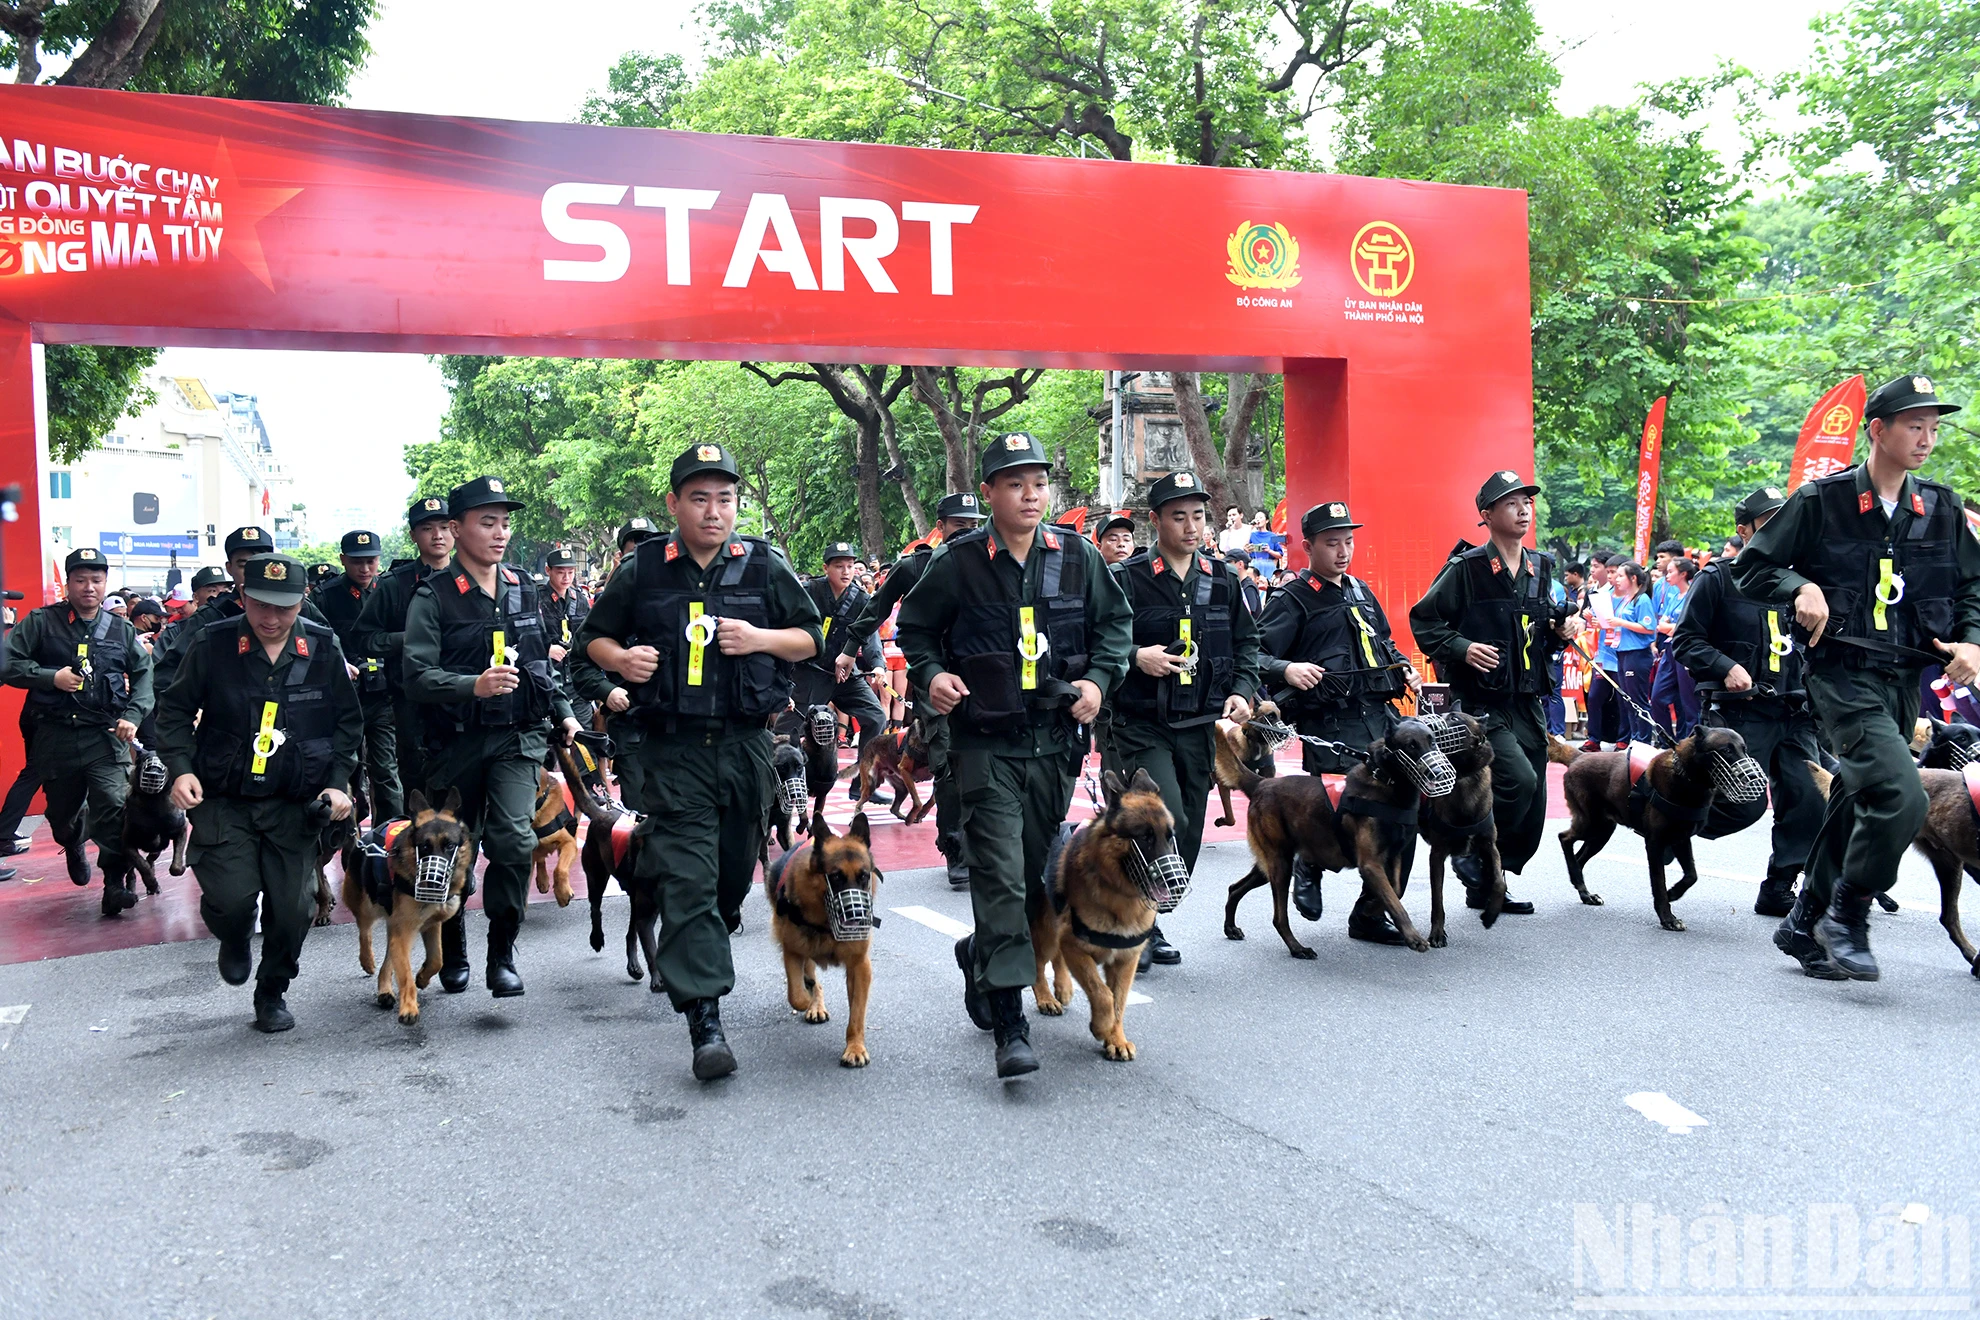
x=1382, y=259
x=1262, y=257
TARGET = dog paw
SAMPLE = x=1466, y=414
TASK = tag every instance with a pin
x=564, y=896
x=855, y=1057
x=598, y=942
x=635, y=972
x=1592, y=900
x=177, y=870
x=1051, y=1007
x=1304, y=954
x=1439, y=940
x=659, y=987
x=817, y=1013
x=322, y=920
x=1420, y=945
x=1119, y=1051
x=423, y=979
x=151, y=886
x=410, y=1018
x=1233, y=933
x=1673, y=923
x=386, y=1001
x=1223, y=822
x=370, y=967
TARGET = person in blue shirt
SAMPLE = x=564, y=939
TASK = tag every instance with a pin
x=1605, y=711
x=1635, y=626
x=1673, y=696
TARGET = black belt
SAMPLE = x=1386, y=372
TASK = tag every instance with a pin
x=1910, y=655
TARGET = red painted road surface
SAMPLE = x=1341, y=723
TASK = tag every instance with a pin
x=42, y=915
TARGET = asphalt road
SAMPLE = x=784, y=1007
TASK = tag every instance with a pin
x=1375, y=1133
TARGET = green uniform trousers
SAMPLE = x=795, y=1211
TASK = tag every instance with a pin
x=1518, y=733
x=1180, y=761
x=1011, y=808
x=1876, y=803
x=948, y=806
x=85, y=777
x=243, y=849
x=497, y=783
x=1783, y=743
x=1354, y=725
x=706, y=799
x=381, y=759
x=628, y=740
x=409, y=753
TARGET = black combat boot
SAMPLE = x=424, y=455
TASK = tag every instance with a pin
x=1844, y=933
x=973, y=1004
x=503, y=982
x=271, y=1011
x=1014, y=1056
x=1477, y=888
x=951, y=845
x=712, y=1055
x=1369, y=920
x=1776, y=896
x=454, y=970
x=1164, y=953
x=117, y=892
x=78, y=863
x=1795, y=937
x=236, y=960
x=1306, y=890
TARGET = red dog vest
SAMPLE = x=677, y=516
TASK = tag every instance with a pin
x=622, y=831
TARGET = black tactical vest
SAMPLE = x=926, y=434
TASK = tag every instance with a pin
x=842, y=615
x=1862, y=557
x=471, y=641
x=992, y=623
x=1516, y=625
x=1754, y=636
x=698, y=681
x=1158, y=621
x=563, y=616
x=340, y=601
x=102, y=659
x=1337, y=632
x=229, y=755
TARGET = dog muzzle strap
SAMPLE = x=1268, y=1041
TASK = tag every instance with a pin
x=1162, y=880
x=1433, y=774
x=1450, y=735
x=850, y=914
x=433, y=876
x=1738, y=779
x=797, y=796
x=151, y=776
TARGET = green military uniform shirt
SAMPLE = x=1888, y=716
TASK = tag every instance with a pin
x=61, y=624
x=1179, y=592
x=427, y=682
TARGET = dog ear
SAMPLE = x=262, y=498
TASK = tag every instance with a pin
x=1111, y=788
x=860, y=829
x=1143, y=782
x=452, y=806
x=820, y=828
x=416, y=803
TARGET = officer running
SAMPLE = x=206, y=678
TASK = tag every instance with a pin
x=1018, y=633
x=260, y=734
x=341, y=600
x=89, y=686
x=381, y=637
x=1489, y=623
x=1195, y=661
x=1741, y=655
x=1115, y=537
x=478, y=666
x=956, y=514
x=833, y=674
x=564, y=611
x=704, y=625
x=241, y=545
x=1336, y=673
x=1885, y=581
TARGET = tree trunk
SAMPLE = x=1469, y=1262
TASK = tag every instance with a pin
x=117, y=51
x=940, y=390
x=1203, y=448
x=909, y=495
x=928, y=387
x=872, y=524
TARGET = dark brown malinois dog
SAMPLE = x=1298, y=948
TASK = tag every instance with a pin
x=1105, y=887
x=898, y=757
x=413, y=873
x=611, y=852
x=1253, y=750
x=1460, y=823
x=1663, y=796
x=1363, y=821
x=822, y=897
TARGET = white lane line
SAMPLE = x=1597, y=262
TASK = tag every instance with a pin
x=11, y=1018
x=947, y=925
x=1664, y=1111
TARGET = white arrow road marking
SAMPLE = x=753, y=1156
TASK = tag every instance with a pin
x=954, y=929
x=1664, y=1111
x=10, y=1019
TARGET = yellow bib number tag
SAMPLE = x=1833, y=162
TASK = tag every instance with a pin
x=1778, y=643
x=499, y=653
x=1028, y=648
x=82, y=659
x=697, y=644
x=1367, y=636
x=826, y=631
x=1890, y=590
x=268, y=738
x=567, y=632
x=1189, y=649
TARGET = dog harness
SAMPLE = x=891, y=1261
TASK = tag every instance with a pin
x=564, y=820
x=376, y=877
x=622, y=833
x=1643, y=793
x=780, y=899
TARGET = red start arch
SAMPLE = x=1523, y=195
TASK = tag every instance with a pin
x=1397, y=311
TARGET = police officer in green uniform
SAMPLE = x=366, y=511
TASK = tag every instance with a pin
x=1885, y=581
x=564, y=611
x=1489, y=624
x=318, y=575
x=705, y=626
x=341, y=600
x=260, y=733
x=89, y=686
x=1328, y=655
x=956, y=514
x=834, y=675
x=1741, y=654
x=1018, y=632
x=381, y=639
x=1115, y=537
x=1195, y=661
x=478, y=666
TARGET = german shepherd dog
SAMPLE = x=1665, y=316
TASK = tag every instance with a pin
x=418, y=886
x=1665, y=814
x=1460, y=823
x=151, y=823
x=611, y=852
x=556, y=827
x=1372, y=832
x=1255, y=756
x=332, y=838
x=819, y=741
x=788, y=817
x=821, y=914
x=1105, y=891
x=898, y=757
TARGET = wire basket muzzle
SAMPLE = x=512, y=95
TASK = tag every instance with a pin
x=849, y=912
x=433, y=876
x=1449, y=734
x=1432, y=773
x=151, y=775
x=1162, y=879
x=797, y=795
x=1738, y=778
x=824, y=727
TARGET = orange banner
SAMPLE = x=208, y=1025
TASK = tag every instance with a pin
x=1649, y=460
x=1828, y=436
x=1279, y=518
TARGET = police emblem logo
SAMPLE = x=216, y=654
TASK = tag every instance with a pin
x=364, y=538
x=495, y=485
x=1337, y=510
x=1017, y=442
x=1509, y=476
x=708, y=454
x=969, y=501
x=1184, y=480
x=431, y=503
x=275, y=571
x=250, y=533
x=1262, y=256
x=1922, y=385
x=1774, y=493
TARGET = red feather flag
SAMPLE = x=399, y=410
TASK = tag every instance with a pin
x=1828, y=436
x=1648, y=464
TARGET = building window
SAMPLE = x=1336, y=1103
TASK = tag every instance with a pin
x=58, y=486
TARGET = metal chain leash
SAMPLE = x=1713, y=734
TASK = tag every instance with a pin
x=1283, y=734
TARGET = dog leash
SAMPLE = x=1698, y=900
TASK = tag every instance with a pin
x=1271, y=729
x=1656, y=729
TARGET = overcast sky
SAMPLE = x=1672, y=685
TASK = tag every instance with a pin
x=342, y=419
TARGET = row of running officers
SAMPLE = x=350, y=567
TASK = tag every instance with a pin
x=1021, y=636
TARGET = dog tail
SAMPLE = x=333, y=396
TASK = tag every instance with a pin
x=1560, y=751
x=1229, y=768
x=600, y=814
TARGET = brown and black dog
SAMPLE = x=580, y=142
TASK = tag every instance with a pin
x=1098, y=917
x=898, y=757
x=556, y=824
x=1250, y=749
x=822, y=896
x=611, y=852
x=151, y=823
x=819, y=741
x=331, y=841
x=387, y=872
x=1664, y=798
x=1372, y=830
x=1460, y=824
